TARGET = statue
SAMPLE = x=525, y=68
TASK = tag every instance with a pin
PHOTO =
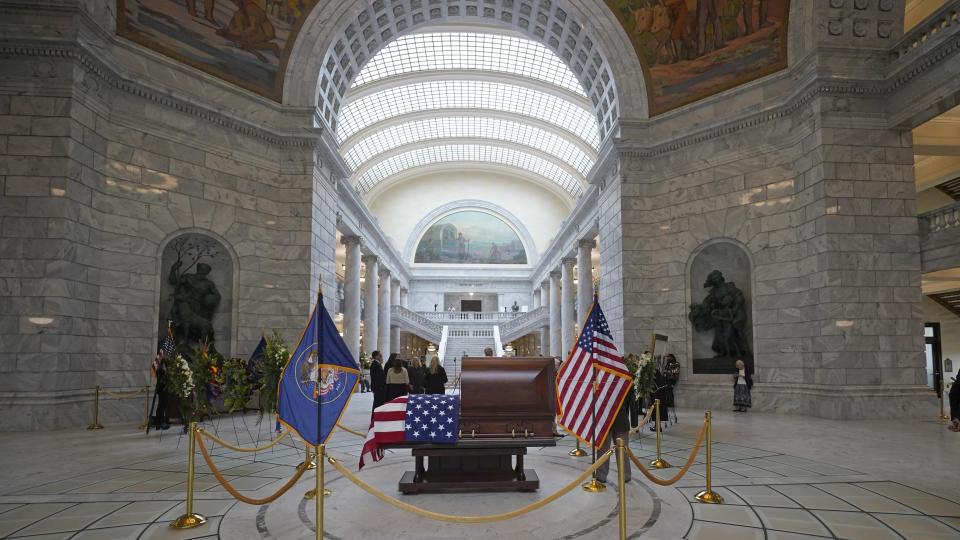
x=195, y=299
x=724, y=311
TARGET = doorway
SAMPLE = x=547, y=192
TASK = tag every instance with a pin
x=934, y=356
x=470, y=305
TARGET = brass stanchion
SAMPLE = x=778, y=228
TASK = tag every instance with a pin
x=315, y=464
x=321, y=452
x=578, y=452
x=190, y=519
x=943, y=387
x=709, y=495
x=96, y=409
x=621, y=485
x=658, y=463
x=146, y=407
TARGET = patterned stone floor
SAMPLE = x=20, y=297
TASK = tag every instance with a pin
x=782, y=477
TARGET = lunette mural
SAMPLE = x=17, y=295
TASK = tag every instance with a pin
x=470, y=237
x=692, y=49
x=689, y=49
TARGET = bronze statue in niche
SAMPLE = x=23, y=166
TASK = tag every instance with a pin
x=724, y=311
x=195, y=295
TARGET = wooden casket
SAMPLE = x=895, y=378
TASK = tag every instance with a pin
x=506, y=406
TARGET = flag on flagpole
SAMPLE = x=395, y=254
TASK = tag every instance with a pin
x=431, y=418
x=255, y=363
x=313, y=392
x=593, y=382
x=167, y=348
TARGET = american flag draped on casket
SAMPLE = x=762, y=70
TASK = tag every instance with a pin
x=428, y=418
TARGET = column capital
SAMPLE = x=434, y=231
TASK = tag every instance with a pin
x=368, y=259
x=555, y=274
x=384, y=272
x=568, y=261
x=349, y=239
x=586, y=243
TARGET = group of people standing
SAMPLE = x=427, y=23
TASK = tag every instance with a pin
x=395, y=379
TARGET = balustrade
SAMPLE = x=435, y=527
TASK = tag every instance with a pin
x=941, y=219
x=929, y=31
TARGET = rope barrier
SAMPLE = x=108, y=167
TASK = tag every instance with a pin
x=468, y=519
x=122, y=396
x=225, y=444
x=302, y=468
x=643, y=422
x=454, y=382
x=683, y=471
x=348, y=430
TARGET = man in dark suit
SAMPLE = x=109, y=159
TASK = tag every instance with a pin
x=619, y=429
x=378, y=379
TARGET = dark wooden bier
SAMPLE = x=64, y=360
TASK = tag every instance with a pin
x=506, y=405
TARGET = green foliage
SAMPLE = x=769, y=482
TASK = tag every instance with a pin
x=364, y=361
x=178, y=382
x=237, y=384
x=206, y=378
x=643, y=369
x=275, y=357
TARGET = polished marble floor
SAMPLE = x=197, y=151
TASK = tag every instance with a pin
x=782, y=477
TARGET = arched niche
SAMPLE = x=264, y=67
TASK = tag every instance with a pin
x=195, y=247
x=733, y=260
x=496, y=211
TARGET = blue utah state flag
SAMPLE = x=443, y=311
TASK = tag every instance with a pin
x=318, y=381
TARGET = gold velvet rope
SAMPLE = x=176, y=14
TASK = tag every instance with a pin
x=225, y=444
x=468, y=519
x=302, y=468
x=454, y=382
x=641, y=423
x=683, y=471
x=348, y=430
x=122, y=396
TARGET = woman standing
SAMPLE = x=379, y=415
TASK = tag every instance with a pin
x=398, y=381
x=436, y=377
x=417, y=376
x=742, y=383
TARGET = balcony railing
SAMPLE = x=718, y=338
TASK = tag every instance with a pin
x=524, y=324
x=940, y=220
x=446, y=317
x=930, y=32
x=415, y=322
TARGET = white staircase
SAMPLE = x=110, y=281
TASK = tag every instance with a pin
x=465, y=342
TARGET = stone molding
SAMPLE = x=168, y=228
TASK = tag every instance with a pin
x=119, y=82
x=465, y=204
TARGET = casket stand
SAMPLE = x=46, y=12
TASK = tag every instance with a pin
x=506, y=406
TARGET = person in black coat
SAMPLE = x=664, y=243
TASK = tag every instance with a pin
x=620, y=429
x=436, y=377
x=955, y=405
x=378, y=379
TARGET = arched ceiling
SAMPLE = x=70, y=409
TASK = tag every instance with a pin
x=448, y=96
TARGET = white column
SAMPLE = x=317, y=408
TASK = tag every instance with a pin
x=370, y=310
x=384, y=303
x=536, y=298
x=584, y=278
x=545, y=341
x=566, y=303
x=351, y=295
x=394, y=292
x=555, y=343
x=403, y=298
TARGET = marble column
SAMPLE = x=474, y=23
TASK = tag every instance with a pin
x=544, y=341
x=384, y=304
x=370, y=310
x=566, y=304
x=403, y=298
x=555, y=343
x=351, y=295
x=536, y=298
x=584, y=278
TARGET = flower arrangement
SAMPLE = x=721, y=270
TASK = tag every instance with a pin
x=643, y=369
x=275, y=358
x=364, y=361
x=237, y=383
x=178, y=375
x=206, y=377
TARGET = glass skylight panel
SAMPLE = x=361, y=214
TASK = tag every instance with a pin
x=430, y=95
x=468, y=127
x=437, y=51
x=467, y=152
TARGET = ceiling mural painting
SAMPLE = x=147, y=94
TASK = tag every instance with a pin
x=470, y=237
x=246, y=42
x=691, y=49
